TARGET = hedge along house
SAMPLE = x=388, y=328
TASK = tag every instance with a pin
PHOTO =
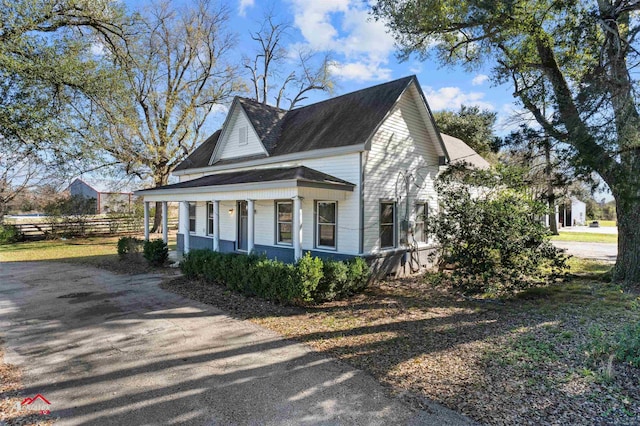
x=350, y=176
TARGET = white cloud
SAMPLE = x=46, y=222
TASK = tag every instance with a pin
x=479, y=79
x=244, y=4
x=97, y=48
x=344, y=27
x=219, y=109
x=416, y=68
x=361, y=72
x=453, y=97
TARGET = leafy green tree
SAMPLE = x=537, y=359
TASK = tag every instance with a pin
x=548, y=172
x=472, y=125
x=43, y=67
x=585, y=52
x=175, y=71
x=489, y=229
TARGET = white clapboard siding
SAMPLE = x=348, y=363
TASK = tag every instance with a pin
x=346, y=167
x=404, y=144
x=231, y=145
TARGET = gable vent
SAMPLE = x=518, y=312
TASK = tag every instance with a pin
x=242, y=136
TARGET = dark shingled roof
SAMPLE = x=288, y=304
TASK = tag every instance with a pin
x=301, y=174
x=342, y=121
x=345, y=120
x=265, y=120
x=202, y=154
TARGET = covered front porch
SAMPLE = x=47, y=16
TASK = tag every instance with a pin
x=277, y=212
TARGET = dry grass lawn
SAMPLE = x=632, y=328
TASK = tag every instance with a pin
x=100, y=252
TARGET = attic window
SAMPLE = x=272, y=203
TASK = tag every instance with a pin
x=242, y=136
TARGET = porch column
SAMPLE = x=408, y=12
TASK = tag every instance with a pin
x=250, y=224
x=146, y=221
x=184, y=224
x=297, y=227
x=165, y=222
x=216, y=225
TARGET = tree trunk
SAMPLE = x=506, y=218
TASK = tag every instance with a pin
x=551, y=196
x=627, y=269
x=161, y=179
x=553, y=224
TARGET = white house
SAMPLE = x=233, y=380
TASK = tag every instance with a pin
x=349, y=176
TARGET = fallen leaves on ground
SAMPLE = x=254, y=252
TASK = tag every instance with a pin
x=519, y=361
x=11, y=413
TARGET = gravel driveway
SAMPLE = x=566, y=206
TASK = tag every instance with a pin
x=116, y=349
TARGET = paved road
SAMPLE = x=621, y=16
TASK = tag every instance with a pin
x=587, y=229
x=115, y=349
x=607, y=252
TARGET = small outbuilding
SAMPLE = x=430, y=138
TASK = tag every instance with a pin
x=572, y=212
x=105, y=201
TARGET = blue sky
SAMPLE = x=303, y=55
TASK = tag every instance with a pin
x=365, y=55
x=364, y=52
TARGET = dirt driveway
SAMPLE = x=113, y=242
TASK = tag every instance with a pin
x=116, y=349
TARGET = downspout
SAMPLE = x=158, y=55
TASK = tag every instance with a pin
x=361, y=227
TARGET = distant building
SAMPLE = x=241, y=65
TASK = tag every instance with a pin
x=106, y=202
x=571, y=212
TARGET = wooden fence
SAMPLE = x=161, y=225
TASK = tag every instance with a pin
x=82, y=226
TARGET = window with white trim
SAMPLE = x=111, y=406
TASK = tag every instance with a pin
x=284, y=222
x=326, y=221
x=387, y=224
x=192, y=217
x=209, y=218
x=420, y=228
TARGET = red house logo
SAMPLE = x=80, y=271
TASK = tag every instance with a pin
x=38, y=402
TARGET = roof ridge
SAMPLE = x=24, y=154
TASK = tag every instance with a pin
x=253, y=101
x=364, y=89
x=409, y=77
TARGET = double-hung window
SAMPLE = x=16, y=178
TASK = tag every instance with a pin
x=192, y=217
x=387, y=224
x=326, y=229
x=420, y=229
x=209, y=218
x=284, y=222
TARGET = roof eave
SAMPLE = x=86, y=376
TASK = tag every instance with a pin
x=285, y=183
x=302, y=155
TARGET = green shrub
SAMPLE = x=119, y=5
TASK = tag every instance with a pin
x=628, y=344
x=623, y=345
x=9, y=234
x=358, y=275
x=335, y=277
x=309, y=271
x=490, y=231
x=129, y=246
x=275, y=280
x=156, y=252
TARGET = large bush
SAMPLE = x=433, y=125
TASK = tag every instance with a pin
x=490, y=232
x=309, y=280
